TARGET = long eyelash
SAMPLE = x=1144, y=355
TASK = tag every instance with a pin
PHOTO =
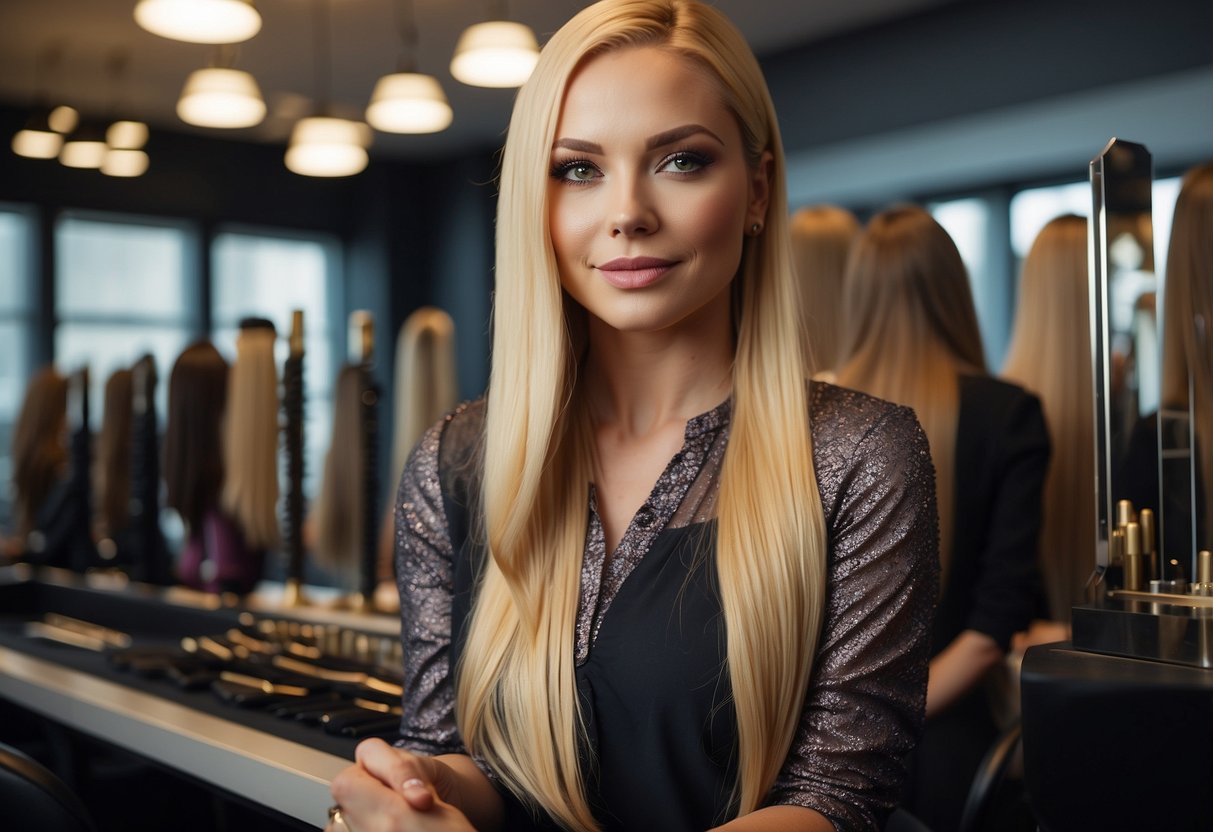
x=703, y=159
x=559, y=169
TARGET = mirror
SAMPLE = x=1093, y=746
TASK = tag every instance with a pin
x=1124, y=335
x=1186, y=407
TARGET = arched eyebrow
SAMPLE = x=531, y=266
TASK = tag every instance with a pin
x=677, y=134
x=674, y=134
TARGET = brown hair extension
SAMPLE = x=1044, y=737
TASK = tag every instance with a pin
x=39, y=446
x=193, y=456
x=112, y=466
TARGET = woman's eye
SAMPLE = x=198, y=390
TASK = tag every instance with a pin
x=685, y=163
x=574, y=172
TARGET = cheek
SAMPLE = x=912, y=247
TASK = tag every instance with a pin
x=715, y=221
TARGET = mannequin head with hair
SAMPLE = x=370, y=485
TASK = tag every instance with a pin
x=1188, y=323
x=39, y=445
x=911, y=330
x=1050, y=355
x=339, y=509
x=425, y=378
x=515, y=699
x=193, y=447
x=112, y=466
x=821, y=240
x=250, y=436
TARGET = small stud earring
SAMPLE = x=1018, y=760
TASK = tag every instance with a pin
x=755, y=228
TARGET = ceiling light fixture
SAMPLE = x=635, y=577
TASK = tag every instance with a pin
x=324, y=145
x=42, y=135
x=199, y=21
x=496, y=53
x=125, y=163
x=408, y=101
x=38, y=139
x=221, y=97
x=85, y=147
x=327, y=146
x=126, y=135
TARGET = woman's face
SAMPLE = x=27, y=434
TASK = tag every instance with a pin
x=650, y=193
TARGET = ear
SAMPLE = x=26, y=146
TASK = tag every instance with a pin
x=760, y=190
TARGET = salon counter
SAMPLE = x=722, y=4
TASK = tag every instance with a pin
x=280, y=765
x=1116, y=743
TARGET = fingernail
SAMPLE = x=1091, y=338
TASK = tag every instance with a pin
x=412, y=783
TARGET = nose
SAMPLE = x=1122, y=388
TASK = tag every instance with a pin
x=632, y=212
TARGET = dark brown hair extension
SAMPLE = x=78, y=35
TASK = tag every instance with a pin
x=39, y=445
x=193, y=458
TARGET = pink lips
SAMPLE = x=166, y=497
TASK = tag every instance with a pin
x=634, y=272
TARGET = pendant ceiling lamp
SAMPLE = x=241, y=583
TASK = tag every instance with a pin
x=124, y=163
x=221, y=97
x=408, y=101
x=85, y=147
x=199, y=21
x=126, y=135
x=324, y=145
x=496, y=53
x=42, y=135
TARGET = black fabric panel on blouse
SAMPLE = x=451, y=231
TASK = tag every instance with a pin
x=654, y=692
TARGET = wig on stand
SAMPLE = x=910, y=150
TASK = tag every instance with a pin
x=821, y=241
x=112, y=471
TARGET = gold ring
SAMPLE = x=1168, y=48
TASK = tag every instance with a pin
x=337, y=819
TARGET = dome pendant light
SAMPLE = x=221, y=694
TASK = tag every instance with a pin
x=199, y=21
x=496, y=53
x=323, y=145
x=85, y=147
x=42, y=135
x=407, y=101
x=221, y=97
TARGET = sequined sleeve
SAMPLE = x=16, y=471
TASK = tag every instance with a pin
x=864, y=709
x=425, y=577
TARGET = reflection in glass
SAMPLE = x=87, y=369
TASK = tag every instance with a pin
x=1186, y=426
x=1124, y=334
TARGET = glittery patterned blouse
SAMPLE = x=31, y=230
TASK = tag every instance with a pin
x=864, y=708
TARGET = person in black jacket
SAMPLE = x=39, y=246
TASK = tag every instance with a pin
x=912, y=337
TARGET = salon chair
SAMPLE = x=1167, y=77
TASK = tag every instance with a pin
x=990, y=775
x=32, y=797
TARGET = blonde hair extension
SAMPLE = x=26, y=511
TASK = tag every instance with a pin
x=516, y=698
x=250, y=436
x=425, y=379
x=821, y=241
x=1188, y=323
x=911, y=331
x=339, y=507
x=1050, y=355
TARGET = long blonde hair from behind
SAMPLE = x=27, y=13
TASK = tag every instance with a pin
x=1187, y=344
x=1050, y=355
x=516, y=700
x=425, y=379
x=821, y=242
x=911, y=331
x=250, y=436
x=339, y=511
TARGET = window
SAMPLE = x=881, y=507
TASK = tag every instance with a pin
x=122, y=290
x=270, y=276
x=968, y=223
x=16, y=333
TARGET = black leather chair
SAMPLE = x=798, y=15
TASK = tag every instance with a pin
x=989, y=776
x=32, y=797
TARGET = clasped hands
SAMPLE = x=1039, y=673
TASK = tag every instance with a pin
x=389, y=789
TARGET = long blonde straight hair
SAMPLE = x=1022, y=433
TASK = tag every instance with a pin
x=1187, y=346
x=426, y=384
x=516, y=700
x=250, y=436
x=1050, y=354
x=911, y=331
x=821, y=241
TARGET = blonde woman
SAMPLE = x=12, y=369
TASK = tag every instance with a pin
x=655, y=580
x=911, y=337
x=821, y=240
x=1050, y=354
